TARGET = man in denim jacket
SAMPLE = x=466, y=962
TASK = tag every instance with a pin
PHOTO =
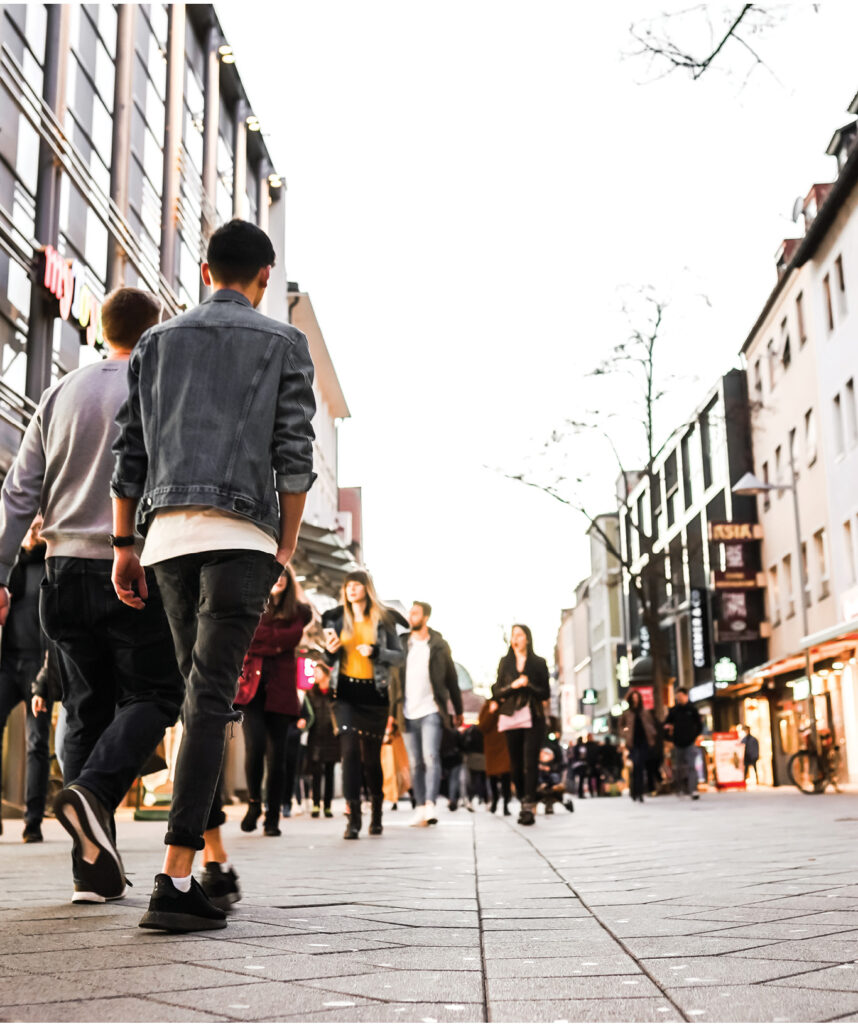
x=214, y=457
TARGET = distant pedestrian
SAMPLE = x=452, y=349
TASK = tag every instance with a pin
x=497, y=757
x=683, y=725
x=521, y=687
x=268, y=697
x=362, y=648
x=593, y=757
x=22, y=653
x=578, y=765
x=421, y=696
x=323, y=746
x=216, y=449
x=752, y=753
x=121, y=683
x=638, y=732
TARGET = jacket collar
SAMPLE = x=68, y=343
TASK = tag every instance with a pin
x=229, y=295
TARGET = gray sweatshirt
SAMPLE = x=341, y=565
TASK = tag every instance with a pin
x=63, y=467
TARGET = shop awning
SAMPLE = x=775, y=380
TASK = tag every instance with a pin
x=322, y=559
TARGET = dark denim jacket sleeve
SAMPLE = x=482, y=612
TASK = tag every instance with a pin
x=292, y=444
x=130, y=460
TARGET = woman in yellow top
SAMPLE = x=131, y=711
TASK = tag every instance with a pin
x=362, y=648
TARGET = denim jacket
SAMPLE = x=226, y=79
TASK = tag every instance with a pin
x=218, y=414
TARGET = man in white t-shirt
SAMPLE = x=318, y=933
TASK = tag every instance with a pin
x=420, y=702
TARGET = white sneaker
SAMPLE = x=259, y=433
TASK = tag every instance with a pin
x=418, y=818
x=298, y=808
x=429, y=813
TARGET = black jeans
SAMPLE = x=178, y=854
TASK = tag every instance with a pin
x=265, y=747
x=639, y=756
x=121, y=684
x=292, y=764
x=213, y=600
x=361, y=756
x=317, y=769
x=523, y=746
x=17, y=671
x=501, y=785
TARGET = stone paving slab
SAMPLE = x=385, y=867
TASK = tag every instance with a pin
x=720, y=910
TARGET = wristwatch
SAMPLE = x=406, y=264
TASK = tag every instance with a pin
x=120, y=542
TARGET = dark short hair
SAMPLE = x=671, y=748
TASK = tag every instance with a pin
x=237, y=251
x=682, y=689
x=427, y=608
x=127, y=313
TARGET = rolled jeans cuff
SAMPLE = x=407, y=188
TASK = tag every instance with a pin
x=184, y=839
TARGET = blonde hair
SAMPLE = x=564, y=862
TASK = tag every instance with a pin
x=374, y=610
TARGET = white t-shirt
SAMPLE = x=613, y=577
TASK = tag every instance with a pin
x=419, y=698
x=186, y=531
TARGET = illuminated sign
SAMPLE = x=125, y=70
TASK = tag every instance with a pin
x=726, y=671
x=589, y=697
x=726, y=532
x=699, y=629
x=66, y=281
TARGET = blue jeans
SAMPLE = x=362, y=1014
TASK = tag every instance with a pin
x=685, y=769
x=423, y=743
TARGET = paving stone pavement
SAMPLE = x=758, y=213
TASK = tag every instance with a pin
x=740, y=907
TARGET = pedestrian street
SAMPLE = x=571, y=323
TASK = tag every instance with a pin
x=740, y=907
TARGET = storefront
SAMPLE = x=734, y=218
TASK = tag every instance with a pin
x=777, y=703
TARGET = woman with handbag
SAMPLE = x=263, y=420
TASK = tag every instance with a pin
x=362, y=648
x=640, y=735
x=522, y=685
x=268, y=696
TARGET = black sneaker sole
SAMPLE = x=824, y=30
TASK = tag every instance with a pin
x=164, y=921
x=107, y=876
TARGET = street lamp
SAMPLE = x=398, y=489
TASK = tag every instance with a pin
x=750, y=485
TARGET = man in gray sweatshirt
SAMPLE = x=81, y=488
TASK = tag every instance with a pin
x=121, y=683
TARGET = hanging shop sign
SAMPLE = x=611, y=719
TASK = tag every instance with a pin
x=738, y=572
x=589, y=697
x=703, y=691
x=738, y=620
x=699, y=629
x=645, y=645
x=725, y=533
x=726, y=672
x=66, y=281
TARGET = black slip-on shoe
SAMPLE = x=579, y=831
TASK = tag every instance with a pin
x=84, y=816
x=171, y=910
x=221, y=887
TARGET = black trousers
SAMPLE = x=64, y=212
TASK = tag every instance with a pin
x=213, y=601
x=501, y=785
x=523, y=746
x=318, y=769
x=639, y=756
x=361, y=757
x=293, y=758
x=17, y=671
x=121, y=685
x=265, y=735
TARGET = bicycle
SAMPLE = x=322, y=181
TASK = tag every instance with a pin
x=813, y=771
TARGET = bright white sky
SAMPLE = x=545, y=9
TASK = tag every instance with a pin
x=473, y=190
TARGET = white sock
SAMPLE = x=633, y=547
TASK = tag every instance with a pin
x=182, y=884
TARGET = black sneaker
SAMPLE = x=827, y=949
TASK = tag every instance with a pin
x=526, y=817
x=173, y=911
x=84, y=816
x=221, y=887
x=33, y=834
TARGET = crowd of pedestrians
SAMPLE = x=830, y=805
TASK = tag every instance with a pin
x=144, y=578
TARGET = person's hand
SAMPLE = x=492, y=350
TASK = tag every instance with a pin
x=365, y=650
x=302, y=723
x=40, y=705
x=284, y=555
x=332, y=642
x=129, y=578
x=459, y=721
x=5, y=602
x=520, y=682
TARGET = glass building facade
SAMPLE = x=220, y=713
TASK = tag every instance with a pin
x=127, y=138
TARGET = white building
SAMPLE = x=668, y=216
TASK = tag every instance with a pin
x=802, y=361
x=605, y=623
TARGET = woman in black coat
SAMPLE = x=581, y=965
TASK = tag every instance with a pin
x=522, y=685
